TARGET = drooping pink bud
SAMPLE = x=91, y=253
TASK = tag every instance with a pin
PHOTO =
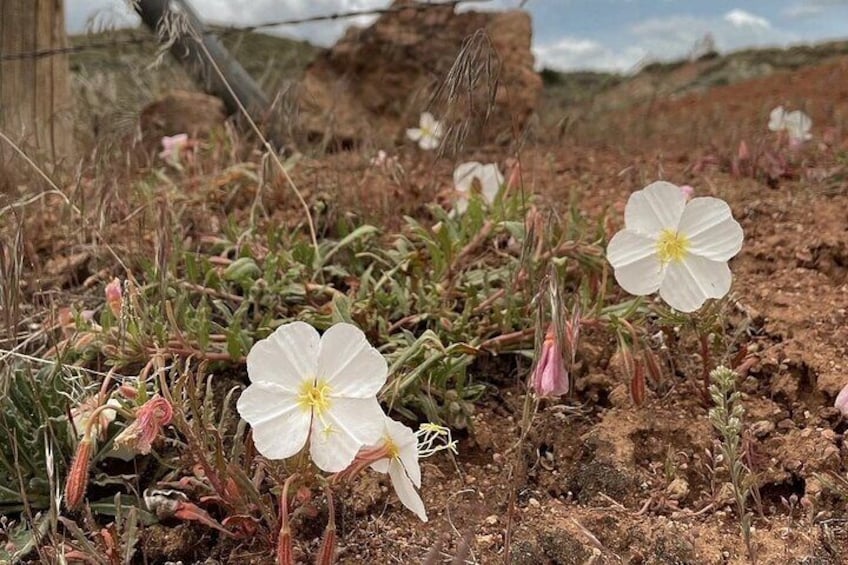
x=743, y=153
x=687, y=191
x=549, y=376
x=114, y=296
x=151, y=417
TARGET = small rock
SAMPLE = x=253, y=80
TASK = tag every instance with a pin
x=762, y=428
x=678, y=489
x=785, y=425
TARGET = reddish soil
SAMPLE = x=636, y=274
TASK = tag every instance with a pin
x=613, y=483
x=597, y=479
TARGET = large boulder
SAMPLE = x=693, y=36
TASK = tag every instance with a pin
x=474, y=70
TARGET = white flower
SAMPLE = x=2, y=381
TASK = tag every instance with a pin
x=797, y=124
x=322, y=389
x=402, y=464
x=677, y=247
x=172, y=146
x=428, y=134
x=379, y=159
x=489, y=180
x=776, y=119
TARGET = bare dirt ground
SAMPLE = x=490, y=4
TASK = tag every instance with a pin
x=621, y=484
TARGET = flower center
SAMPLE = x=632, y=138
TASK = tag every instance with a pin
x=672, y=246
x=392, y=451
x=315, y=396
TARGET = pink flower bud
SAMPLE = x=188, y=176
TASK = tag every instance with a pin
x=687, y=191
x=549, y=376
x=172, y=146
x=114, y=296
x=743, y=153
x=842, y=401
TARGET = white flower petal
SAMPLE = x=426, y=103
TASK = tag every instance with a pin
x=407, y=445
x=776, y=119
x=638, y=269
x=798, y=125
x=406, y=491
x=280, y=425
x=286, y=357
x=463, y=175
x=709, y=226
x=460, y=206
x=414, y=134
x=381, y=465
x=338, y=433
x=349, y=364
x=689, y=283
x=427, y=121
x=656, y=207
x=491, y=179
x=409, y=460
x=428, y=142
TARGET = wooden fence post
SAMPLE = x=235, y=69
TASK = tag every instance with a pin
x=35, y=92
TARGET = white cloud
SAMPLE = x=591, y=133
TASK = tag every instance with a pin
x=672, y=37
x=812, y=8
x=238, y=13
x=802, y=11
x=573, y=53
x=741, y=18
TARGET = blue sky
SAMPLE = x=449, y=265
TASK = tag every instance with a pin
x=612, y=35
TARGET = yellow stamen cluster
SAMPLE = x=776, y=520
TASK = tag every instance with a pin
x=433, y=438
x=315, y=396
x=672, y=246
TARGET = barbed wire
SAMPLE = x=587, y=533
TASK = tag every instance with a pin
x=229, y=30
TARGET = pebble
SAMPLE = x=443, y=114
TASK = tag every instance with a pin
x=762, y=428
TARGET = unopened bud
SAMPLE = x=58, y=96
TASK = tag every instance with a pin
x=637, y=384
x=114, y=297
x=77, y=482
